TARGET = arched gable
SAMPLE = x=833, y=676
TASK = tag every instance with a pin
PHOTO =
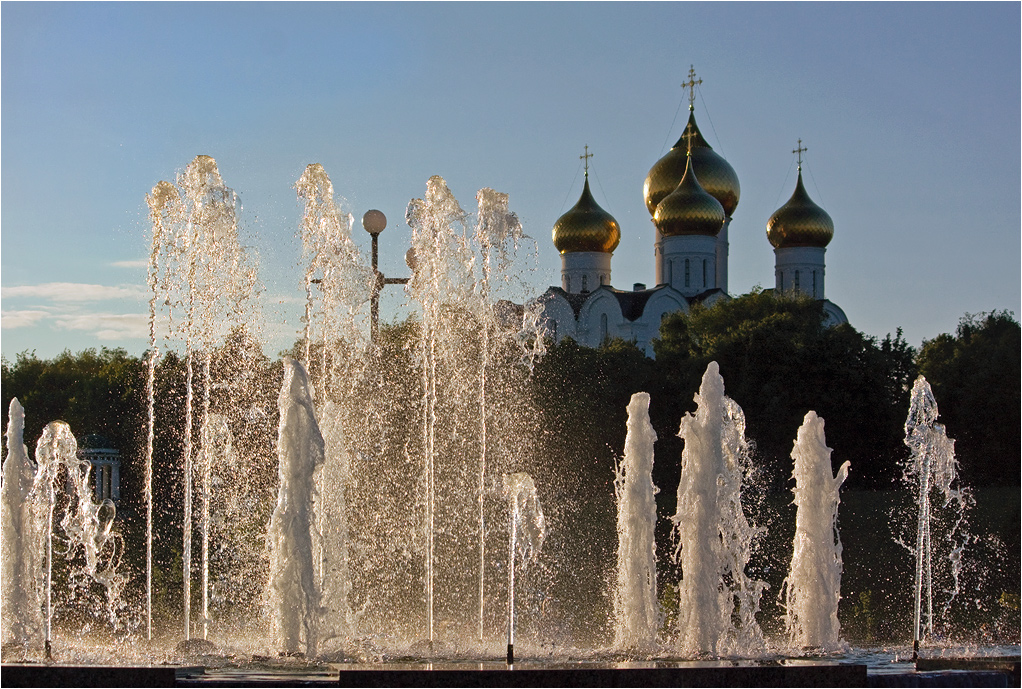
x=599, y=318
x=834, y=314
x=662, y=302
x=558, y=316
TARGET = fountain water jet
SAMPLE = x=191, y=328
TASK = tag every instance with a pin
x=22, y=618
x=812, y=589
x=932, y=471
x=198, y=270
x=525, y=539
x=714, y=537
x=637, y=614
x=293, y=592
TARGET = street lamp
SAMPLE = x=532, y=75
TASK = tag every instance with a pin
x=374, y=222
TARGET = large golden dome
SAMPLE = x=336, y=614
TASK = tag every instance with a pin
x=689, y=209
x=715, y=174
x=586, y=227
x=800, y=222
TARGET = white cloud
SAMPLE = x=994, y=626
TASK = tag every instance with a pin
x=21, y=319
x=107, y=326
x=74, y=291
x=134, y=263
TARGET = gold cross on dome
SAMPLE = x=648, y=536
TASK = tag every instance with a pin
x=800, y=150
x=690, y=133
x=691, y=86
x=586, y=158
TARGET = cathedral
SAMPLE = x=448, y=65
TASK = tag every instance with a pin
x=691, y=194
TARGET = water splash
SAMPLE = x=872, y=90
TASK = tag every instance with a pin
x=85, y=526
x=293, y=594
x=636, y=610
x=718, y=600
x=812, y=589
x=931, y=473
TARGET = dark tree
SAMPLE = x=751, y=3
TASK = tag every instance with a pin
x=975, y=379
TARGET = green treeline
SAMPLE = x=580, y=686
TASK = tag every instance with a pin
x=778, y=362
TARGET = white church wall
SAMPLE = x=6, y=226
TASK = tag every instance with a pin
x=584, y=271
x=800, y=268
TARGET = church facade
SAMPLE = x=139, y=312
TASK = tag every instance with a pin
x=691, y=194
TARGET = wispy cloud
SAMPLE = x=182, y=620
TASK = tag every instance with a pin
x=107, y=326
x=134, y=263
x=10, y=320
x=74, y=291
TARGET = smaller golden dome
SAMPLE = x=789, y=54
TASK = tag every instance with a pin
x=716, y=175
x=586, y=227
x=689, y=209
x=800, y=222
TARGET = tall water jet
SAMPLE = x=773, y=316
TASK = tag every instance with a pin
x=812, y=589
x=294, y=596
x=344, y=283
x=442, y=277
x=714, y=537
x=335, y=267
x=636, y=609
x=495, y=228
x=201, y=280
x=22, y=614
x=525, y=539
x=932, y=472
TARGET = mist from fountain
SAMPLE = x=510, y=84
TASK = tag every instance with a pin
x=812, y=590
x=718, y=599
x=637, y=614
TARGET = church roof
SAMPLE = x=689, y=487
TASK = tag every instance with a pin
x=800, y=222
x=586, y=227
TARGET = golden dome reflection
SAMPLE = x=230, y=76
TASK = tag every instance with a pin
x=586, y=227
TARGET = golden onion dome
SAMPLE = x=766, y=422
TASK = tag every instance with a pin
x=689, y=209
x=715, y=174
x=800, y=222
x=586, y=227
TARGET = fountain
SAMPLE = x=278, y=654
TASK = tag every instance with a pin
x=813, y=587
x=22, y=618
x=932, y=471
x=525, y=540
x=293, y=590
x=636, y=608
x=718, y=600
x=408, y=532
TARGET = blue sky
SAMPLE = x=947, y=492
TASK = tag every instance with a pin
x=910, y=113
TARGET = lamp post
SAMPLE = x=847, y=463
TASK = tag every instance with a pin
x=374, y=222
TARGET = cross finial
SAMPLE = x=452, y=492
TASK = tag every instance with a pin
x=586, y=158
x=800, y=150
x=691, y=86
x=690, y=133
